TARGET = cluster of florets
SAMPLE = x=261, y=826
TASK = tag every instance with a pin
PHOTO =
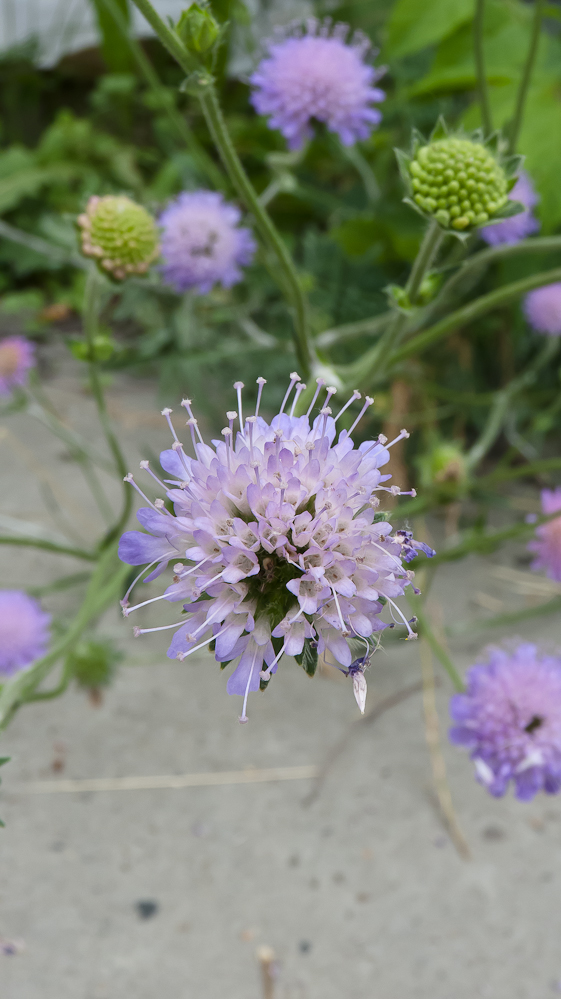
x=510, y=719
x=120, y=235
x=514, y=229
x=203, y=243
x=547, y=544
x=17, y=356
x=315, y=73
x=542, y=308
x=458, y=182
x=285, y=554
x=24, y=631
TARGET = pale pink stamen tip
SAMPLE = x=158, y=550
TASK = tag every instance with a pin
x=128, y=477
x=166, y=411
x=243, y=719
x=238, y=385
x=144, y=465
x=231, y=414
x=137, y=632
x=261, y=381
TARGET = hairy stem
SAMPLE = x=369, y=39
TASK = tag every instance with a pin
x=472, y=311
x=91, y=317
x=268, y=231
x=480, y=67
x=539, y=7
x=48, y=546
x=423, y=261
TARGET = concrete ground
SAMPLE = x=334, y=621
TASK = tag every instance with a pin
x=145, y=894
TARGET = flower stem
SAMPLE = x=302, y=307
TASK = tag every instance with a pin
x=480, y=67
x=267, y=229
x=472, y=311
x=428, y=634
x=269, y=234
x=423, y=261
x=539, y=7
x=92, y=297
x=48, y=546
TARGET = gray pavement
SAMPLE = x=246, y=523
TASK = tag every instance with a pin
x=168, y=893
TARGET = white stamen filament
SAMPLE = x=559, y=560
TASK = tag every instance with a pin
x=402, y=434
x=177, y=446
x=356, y=395
x=145, y=631
x=261, y=382
x=320, y=382
x=243, y=717
x=266, y=673
x=183, y=655
x=194, y=568
x=166, y=412
x=344, y=629
x=129, y=478
x=238, y=387
x=299, y=389
x=250, y=421
x=294, y=377
x=192, y=424
x=368, y=400
x=145, y=466
x=411, y=633
x=129, y=610
x=161, y=558
x=331, y=390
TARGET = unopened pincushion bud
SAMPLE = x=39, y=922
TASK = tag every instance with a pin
x=119, y=234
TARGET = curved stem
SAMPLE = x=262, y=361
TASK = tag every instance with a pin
x=91, y=315
x=539, y=7
x=427, y=633
x=472, y=311
x=479, y=56
x=423, y=261
x=48, y=546
x=375, y=324
x=269, y=234
x=268, y=231
x=503, y=400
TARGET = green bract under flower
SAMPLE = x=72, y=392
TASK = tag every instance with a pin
x=460, y=181
x=119, y=234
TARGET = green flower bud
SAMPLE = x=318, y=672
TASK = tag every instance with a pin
x=444, y=470
x=198, y=29
x=93, y=663
x=459, y=182
x=119, y=234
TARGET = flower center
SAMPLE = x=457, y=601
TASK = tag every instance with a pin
x=9, y=360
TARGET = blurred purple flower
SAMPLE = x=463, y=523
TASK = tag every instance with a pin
x=278, y=524
x=519, y=226
x=315, y=73
x=542, y=308
x=203, y=243
x=547, y=545
x=510, y=720
x=16, y=358
x=24, y=631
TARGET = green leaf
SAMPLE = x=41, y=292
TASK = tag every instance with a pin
x=415, y=24
x=308, y=658
x=113, y=16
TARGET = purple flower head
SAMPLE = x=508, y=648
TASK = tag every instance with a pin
x=283, y=552
x=542, y=308
x=16, y=358
x=203, y=243
x=24, y=631
x=316, y=73
x=519, y=226
x=547, y=545
x=510, y=720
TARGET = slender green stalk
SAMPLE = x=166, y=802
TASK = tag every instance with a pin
x=530, y=469
x=91, y=313
x=503, y=401
x=482, y=543
x=423, y=261
x=269, y=233
x=478, y=35
x=539, y=8
x=48, y=546
x=427, y=633
x=373, y=325
x=467, y=313
x=105, y=584
x=506, y=620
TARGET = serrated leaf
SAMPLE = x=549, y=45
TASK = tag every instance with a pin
x=308, y=658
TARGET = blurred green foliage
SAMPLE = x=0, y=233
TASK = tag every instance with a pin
x=95, y=124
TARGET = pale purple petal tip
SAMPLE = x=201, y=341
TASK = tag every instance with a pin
x=24, y=631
